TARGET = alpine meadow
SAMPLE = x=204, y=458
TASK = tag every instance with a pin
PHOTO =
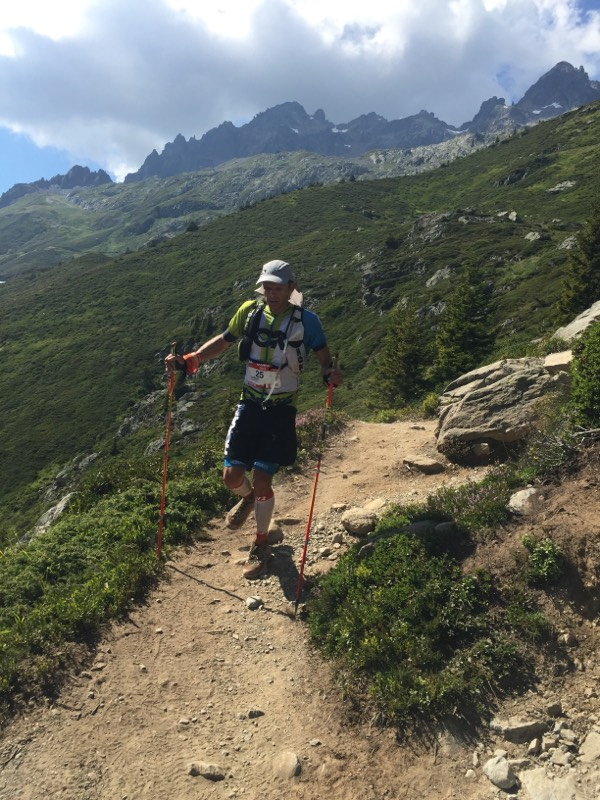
x=416, y=279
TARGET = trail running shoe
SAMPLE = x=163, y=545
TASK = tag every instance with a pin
x=237, y=515
x=258, y=558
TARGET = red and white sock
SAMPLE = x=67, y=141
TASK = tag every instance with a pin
x=263, y=511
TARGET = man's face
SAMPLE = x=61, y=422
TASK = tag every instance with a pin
x=278, y=295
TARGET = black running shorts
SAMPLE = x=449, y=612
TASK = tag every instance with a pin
x=262, y=434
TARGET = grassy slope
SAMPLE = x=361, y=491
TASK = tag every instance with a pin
x=44, y=229
x=81, y=342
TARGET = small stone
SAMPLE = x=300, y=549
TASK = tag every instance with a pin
x=287, y=765
x=500, y=773
x=211, y=772
x=568, y=736
x=554, y=709
x=253, y=602
x=429, y=466
x=534, y=748
x=275, y=533
x=568, y=639
x=358, y=521
x=561, y=758
x=377, y=504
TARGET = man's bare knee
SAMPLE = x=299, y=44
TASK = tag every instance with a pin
x=262, y=483
x=233, y=476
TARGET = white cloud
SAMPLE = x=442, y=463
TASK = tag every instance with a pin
x=110, y=81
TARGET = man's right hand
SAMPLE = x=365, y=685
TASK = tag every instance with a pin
x=189, y=363
x=173, y=362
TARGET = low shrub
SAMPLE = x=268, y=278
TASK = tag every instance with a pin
x=585, y=378
x=408, y=628
x=312, y=429
x=476, y=507
x=544, y=564
x=430, y=405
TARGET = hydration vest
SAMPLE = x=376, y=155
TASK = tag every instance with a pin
x=287, y=352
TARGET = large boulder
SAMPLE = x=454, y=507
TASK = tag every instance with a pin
x=575, y=328
x=494, y=406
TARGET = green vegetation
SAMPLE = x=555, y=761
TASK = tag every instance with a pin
x=82, y=342
x=545, y=561
x=313, y=428
x=83, y=345
x=400, y=363
x=463, y=338
x=586, y=378
x=412, y=633
x=581, y=285
x=63, y=585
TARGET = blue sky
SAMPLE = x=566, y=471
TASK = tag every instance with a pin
x=21, y=161
x=102, y=83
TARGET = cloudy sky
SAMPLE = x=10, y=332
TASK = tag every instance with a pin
x=104, y=82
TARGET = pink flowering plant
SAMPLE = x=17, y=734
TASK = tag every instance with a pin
x=313, y=429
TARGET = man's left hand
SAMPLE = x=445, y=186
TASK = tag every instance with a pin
x=332, y=375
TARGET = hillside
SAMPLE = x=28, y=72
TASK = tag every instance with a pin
x=46, y=228
x=82, y=342
x=282, y=149
x=194, y=676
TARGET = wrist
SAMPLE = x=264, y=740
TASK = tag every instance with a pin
x=192, y=361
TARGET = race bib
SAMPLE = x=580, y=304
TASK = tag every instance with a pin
x=262, y=376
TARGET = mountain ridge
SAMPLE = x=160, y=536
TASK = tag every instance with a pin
x=287, y=127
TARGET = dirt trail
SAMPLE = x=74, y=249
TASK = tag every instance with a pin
x=195, y=676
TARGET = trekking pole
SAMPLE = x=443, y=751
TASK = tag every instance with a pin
x=314, y=494
x=163, y=490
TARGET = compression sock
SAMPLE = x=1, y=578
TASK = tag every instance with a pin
x=263, y=511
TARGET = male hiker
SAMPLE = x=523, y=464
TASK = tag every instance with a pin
x=275, y=335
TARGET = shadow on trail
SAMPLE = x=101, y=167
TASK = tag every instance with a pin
x=205, y=583
x=281, y=566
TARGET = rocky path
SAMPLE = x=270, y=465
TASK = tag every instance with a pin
x=211, y=690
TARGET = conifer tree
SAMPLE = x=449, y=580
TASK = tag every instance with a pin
x=464, y=337
x=401, y=361
x=581, y=284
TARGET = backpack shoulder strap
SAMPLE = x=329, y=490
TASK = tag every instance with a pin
x=253, y=318
x=250, y=329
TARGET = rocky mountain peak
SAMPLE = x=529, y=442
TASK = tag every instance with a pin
x=76, y=177
x=288, y=127
x=560, y=89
